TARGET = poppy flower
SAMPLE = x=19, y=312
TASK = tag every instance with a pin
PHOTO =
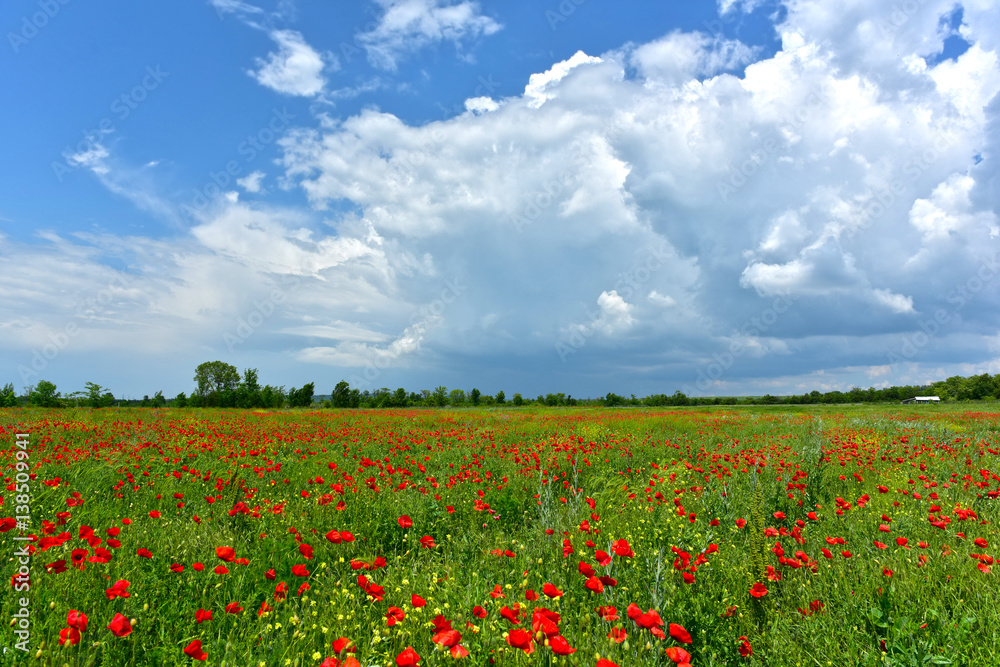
x=233, y=608
x=740, y=523
x=176, y=568
x=77, y=620
x=744, y=648
x=604, y=662
x=405, y=522
x=343, y=645
x=479, y=612
x=427, y=542
x=521, y=639
x=69, y=636
x=306, y=551
x=678, y=654
x=120, y=626
x=902, y=542
x=560, y=646
x=221, y=569
x=145, y=553
x=981, y=543
x=758, y=590
x=530, y=595
x=617, y=635
x=407, y=658
x=417, y=601
x=551, y=591
x=198, y=567
x=202, y=615
x=118, y=590
x=227, y=554
x=154, y=514
x=300, y=571
x=447, y=638
x=497, y=592
x=394, y=615
x=594, y=584
x=193, y=650
x=622, y=548
x=681, y=635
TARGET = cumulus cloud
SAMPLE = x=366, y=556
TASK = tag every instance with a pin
x=406, y=26
x=295, y=68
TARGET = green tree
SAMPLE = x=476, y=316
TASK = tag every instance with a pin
x=181, y=400
x=501, y=398
x=217, y=382
x=158, y=400
x=8, y=399
x=474, y=396
x=400, y=398
x=94, y=394
x=301, y=398
x=248, y=393
x=457, y=396
x=440, y=396
x=518, y=400
x=44, y=395
x=341, y=395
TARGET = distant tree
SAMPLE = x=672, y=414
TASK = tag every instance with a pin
x=217, y=382
x=158, y=400
x=94, y=394
x=457, y=396
x=500, y=398
x=400, y=398
x=248, y=392
x=145, y=401
x=518, y=401
x=8, y=398
x=341, y=395
x=612, y=400
x=440, y=396
x=272, y=397
x=181, y=400
x=301, y=398
x=474, y=396
x=44, y=395
x=107, y=400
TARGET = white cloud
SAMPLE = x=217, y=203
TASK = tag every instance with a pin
x=296, y=68
x=251, y=182
x=407, y=26
x=540, y=86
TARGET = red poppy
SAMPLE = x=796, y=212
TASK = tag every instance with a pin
x=981, y=542
x=120, y=626
x=681, y=635
x=408, y=657
x=154, y=514
x=227, y=554
x=394, y=615
x=744, y=648
x=306, y=551
x=594, y=584
x=617, y=635
x=300, y=571
x=551, y=591
x=479, y=612
x=405, y=522
x=176, y=568
x=194, y=650
x=221, y=569
x=497, y=592
x=530, y=595
x=678, y=654
x=69, y=636
x=198, y=567
x=118, y=590
x=233, y=608
x=604, y=662
x=560, y=646
x=77, y=620
x=145, y=553
x=521, y=639
x=202, y=615
x=758, y=590
x=622, y=548
x=427, y=542
x=417, y=601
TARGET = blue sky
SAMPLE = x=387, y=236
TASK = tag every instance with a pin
x=725, y=198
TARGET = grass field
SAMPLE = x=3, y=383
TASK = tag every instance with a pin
x=849, y=536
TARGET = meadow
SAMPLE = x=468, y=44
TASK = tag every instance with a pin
x=339, y=538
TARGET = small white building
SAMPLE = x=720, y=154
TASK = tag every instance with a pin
x=923, y=399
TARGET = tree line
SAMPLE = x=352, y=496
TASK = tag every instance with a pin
x=219, y=384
